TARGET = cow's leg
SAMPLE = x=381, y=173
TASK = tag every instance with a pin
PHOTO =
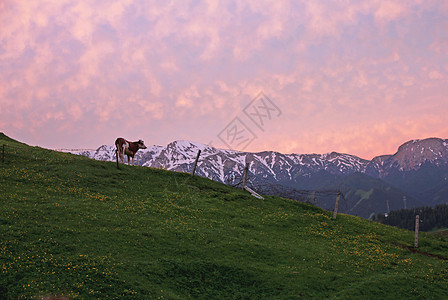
x=122, y=156
x=119, y=153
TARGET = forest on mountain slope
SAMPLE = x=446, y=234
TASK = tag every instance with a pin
x=431, y=218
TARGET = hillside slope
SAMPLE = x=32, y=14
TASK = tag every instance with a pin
x=81, y=228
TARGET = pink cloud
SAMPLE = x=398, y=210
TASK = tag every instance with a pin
x=366, y=140
x=389, y=10
x=343, y=73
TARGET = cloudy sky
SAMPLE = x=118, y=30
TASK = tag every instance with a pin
x=360, y=77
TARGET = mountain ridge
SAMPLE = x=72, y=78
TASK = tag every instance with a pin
x=415, y=161
x=183, y=151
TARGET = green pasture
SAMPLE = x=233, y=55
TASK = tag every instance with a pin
x=83, y=229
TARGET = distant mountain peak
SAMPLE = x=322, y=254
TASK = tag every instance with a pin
x=429, y=142
x=414, y=153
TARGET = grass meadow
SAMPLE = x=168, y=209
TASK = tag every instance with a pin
x=83, y=229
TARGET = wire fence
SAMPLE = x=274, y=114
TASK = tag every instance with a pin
x=4, y=148
x=74, y=150
x=322, y=198
x=79, y=150
x=13, y=152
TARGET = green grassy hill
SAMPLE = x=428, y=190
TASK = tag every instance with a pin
x=81, y=228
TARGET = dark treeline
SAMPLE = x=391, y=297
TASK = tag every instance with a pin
x=430, y=218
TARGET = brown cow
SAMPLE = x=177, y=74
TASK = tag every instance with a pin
x=128, y=148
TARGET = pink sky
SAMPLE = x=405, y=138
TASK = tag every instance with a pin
x=360, y=77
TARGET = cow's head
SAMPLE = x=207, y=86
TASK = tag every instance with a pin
x=141, y=144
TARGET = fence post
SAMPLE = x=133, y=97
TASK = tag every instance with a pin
x=417, y=226
x=195, y=163
x=245, y=175
x=335, y=212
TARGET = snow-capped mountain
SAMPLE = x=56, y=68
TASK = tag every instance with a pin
x=407, y=171
x=226, y=165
